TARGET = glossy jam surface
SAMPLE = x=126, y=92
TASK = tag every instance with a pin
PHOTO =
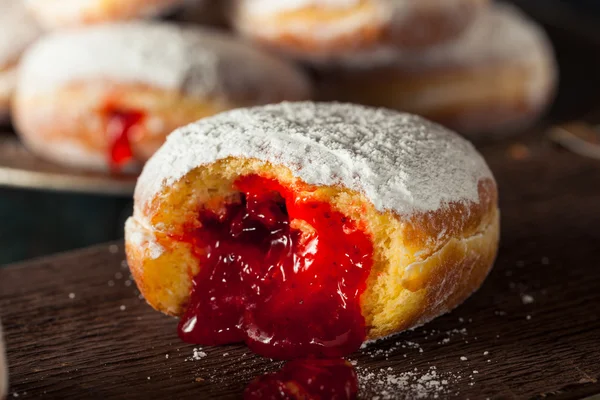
x=119, y=126
x=311, y=379
x=282, y=273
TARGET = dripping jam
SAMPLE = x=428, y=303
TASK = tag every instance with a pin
x=310, y=379
x=282, y=273
x=119, y=126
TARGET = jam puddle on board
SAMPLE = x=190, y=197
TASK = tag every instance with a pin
x=310, y=379
x=283, y=274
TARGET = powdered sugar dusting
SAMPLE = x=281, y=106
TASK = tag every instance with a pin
x=399, y=161
x=142, y=237
x=19, y=29
x=384, y=384
x=197, y=354
x=196, y=61
x=502, y=33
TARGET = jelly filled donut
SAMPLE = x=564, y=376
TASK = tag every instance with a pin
x=19, y=30
x=305, y=228
x=107, y=96
x=320, y=29
x=497, y=78
x=64, y=13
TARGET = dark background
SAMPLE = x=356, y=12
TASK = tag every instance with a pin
x=36, y=223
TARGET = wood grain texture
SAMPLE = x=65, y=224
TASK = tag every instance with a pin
x=107, y=343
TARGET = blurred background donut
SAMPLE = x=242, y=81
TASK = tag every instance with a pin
x=419, y=24
x=319, y=29
x=496, y=78
x=106, y=97
x=19, y=29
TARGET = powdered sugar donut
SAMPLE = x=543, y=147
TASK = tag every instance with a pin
x=498, y=77
x=19, y=30
x=61, y=13
x=108, y=95
x=331, y=224
x=317, y=30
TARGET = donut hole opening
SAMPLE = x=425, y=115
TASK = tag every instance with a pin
x=282, y=272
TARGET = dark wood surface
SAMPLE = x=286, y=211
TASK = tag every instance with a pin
x=107, y=343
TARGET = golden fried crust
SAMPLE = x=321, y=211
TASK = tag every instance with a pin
x=165, y=282
x=424, y=289
x=424, y=264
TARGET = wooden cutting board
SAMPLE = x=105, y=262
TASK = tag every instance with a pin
x=75, y=327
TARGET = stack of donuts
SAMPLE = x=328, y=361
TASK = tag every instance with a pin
x=109, y=79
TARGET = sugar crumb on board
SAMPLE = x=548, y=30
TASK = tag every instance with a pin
x=545, y=261
x=527, y=299
x=384, y=384
x=396, y=347
x=197, y=354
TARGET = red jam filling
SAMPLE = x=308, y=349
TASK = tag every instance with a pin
x=119, y=126
x=280, y=272
x=307, y=380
